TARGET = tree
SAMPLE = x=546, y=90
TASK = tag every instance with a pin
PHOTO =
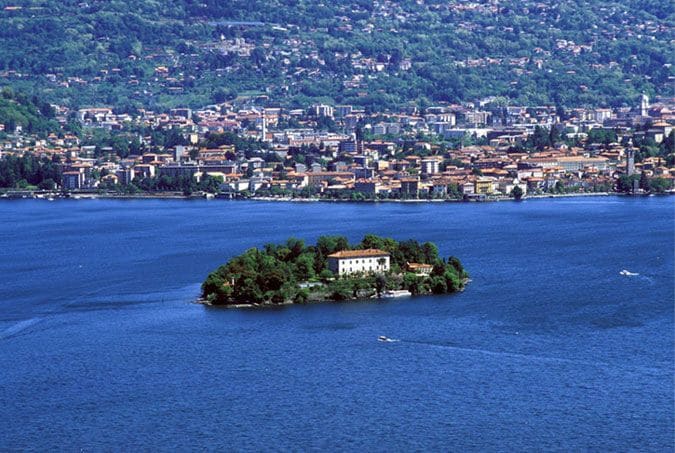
x=304, y=267
x=326, y=275
x=47, y=184
x=371, y=241
x=661, y=185
x=341, y=290
x=210, y=183
x=452, y=279
x=439, y=285
x=413, y=283
x=540, y=138
x=380, y=284
x=301, y=296
x=554, y=135
x=599, y=135
x=429, y=252
x=645, y=183
x=668, y=144
x=626, y=183
x=517, y=193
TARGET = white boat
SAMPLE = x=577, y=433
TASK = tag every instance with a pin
x=396, y=293
x=384, y=339
x=628, y=273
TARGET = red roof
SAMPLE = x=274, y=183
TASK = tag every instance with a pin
x=358, y=253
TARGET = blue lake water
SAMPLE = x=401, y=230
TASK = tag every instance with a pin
x=549, y=348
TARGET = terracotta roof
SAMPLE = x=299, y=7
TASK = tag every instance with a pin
x=358, y=253
x=420, y=266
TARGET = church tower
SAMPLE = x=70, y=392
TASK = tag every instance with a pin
x=644, y=105
x=630, y=162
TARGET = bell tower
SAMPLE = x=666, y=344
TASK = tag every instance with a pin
x=644, y=105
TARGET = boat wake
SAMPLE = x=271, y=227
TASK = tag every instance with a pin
x=627, y=273
x=506, y=354
x=18, y=328
x=638, y=277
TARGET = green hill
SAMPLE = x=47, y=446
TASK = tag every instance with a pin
x=31, y=114
x=375, y=54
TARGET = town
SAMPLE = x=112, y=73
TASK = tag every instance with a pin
x=471, y=151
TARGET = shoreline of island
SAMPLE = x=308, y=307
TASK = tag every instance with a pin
x=332, y=270
x=264, y=306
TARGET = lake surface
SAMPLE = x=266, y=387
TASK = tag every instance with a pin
x=549, y=348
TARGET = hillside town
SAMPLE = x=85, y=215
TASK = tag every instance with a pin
x=472, y=151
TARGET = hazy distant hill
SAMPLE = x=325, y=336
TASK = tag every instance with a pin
x=376, y=54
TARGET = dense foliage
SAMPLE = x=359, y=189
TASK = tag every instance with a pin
x=274, y=274
x=29, y=170
x=32, y=115
x=376, y=54
x=163, y=183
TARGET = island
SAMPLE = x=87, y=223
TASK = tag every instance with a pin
x=333, y=270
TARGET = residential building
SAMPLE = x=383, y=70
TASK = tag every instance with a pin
x=359, y=261
x=430, y=165
x=410, y=187
x=484, y=186
x=71, y=180
x=420, y=269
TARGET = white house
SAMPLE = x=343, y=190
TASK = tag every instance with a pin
x=353, y=261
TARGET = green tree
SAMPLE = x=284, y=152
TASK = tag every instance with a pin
x=341, y=290
x=645, y=183
x=625, y=183
x=661, y=185
x=47, y=184
x=517, y=193
x=304, y=267
x=540, y=139
x=413, y=283
x=326, y=275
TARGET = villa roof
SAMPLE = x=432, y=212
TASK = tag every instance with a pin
x=358, y=253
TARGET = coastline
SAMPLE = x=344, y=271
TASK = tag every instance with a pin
x=251, y=306
x=206, y=303
x=202, y=301
x=14, y=195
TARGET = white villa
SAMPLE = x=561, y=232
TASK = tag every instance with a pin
x=353, y=261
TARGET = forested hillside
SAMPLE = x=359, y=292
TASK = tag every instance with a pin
x=31, y=115
x=377, y=54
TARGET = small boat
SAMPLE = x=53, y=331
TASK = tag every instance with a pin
x=384, y=339
x=628, y=273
